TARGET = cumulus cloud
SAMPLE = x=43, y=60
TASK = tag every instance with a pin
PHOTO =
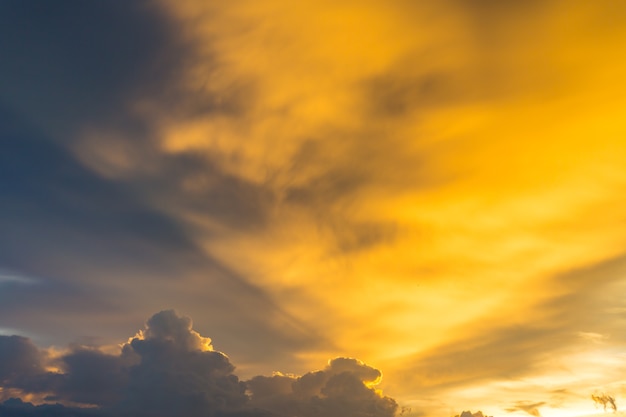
x=21, y=366
x=342, y=388
x=167, y=326
x=169, y=369
x=20, y=358
x=92, y=377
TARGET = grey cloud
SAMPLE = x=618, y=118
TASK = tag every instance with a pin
x=74, y=67
x=168, y=326
x=161, y=372
x=270, y=387
x=195, y=384
x=59, y=220
x=72, y=230
x=17, y=408
x=92, y=377
x=169, y=369
x=363, y=372
x=338, y=390
x=70, y=63
x=85, y=67
x=228, y=199
x=20, y=359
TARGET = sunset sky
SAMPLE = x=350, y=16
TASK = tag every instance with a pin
x=434, y=188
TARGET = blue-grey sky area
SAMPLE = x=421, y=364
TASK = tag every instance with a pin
x=85, y=240
x=332, y=191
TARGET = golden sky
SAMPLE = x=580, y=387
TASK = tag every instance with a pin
x=433, y=187
x=445, y=184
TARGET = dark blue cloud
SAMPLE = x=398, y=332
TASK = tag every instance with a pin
x=67, y=65
x=70, y=60
x=15, y=407
x=20, y=359
x=72, y=230
x=101, y=250
x=53, y=210
x=169, y=370
x=42, y=184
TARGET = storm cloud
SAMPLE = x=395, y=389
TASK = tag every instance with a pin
x=169, y=369
x=343, y=388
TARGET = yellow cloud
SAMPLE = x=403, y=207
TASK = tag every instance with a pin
x=433, y=165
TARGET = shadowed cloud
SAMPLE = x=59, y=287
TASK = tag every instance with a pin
x=169, y=369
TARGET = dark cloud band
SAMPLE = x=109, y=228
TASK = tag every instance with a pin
x=168, y=369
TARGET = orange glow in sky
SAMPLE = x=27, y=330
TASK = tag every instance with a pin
x=436, y=188
x=447, y=181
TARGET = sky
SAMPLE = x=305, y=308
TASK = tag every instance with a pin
x=312, y=208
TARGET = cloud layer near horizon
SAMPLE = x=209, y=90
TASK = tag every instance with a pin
x=167, y=370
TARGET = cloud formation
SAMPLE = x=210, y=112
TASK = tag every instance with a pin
x=291, y=172
x=529, y=407
x=167, y=370
x=343, y=388
x=20, y=361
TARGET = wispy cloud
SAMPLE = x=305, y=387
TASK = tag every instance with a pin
x=605, y=401
x=12, y=277
x=529, y=407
